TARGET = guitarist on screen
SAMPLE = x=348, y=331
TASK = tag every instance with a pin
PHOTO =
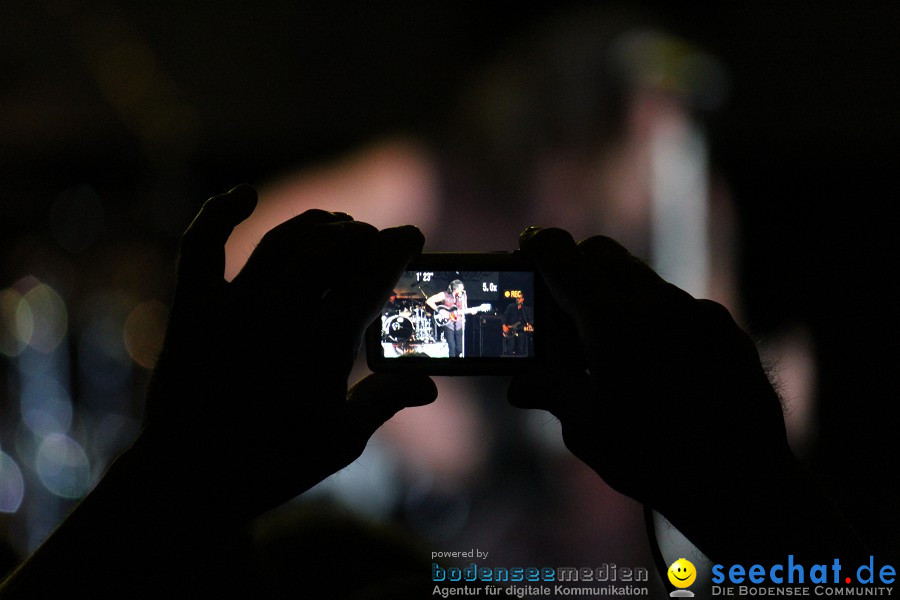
x=517, y=323
x=450, y=310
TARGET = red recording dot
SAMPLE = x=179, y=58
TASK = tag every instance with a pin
x=847, y=580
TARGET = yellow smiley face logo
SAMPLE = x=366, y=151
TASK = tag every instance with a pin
x=682, y=573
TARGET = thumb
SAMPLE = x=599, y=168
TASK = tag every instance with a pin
x=200, y=281
x=379, y=396
x=199, y=286
x=555, y=391
x=201, y=260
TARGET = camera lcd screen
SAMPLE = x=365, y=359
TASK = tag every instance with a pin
x=457, y=320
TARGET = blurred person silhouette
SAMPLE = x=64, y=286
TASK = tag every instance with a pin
x=241, y=419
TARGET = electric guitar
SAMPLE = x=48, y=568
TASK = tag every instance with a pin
x=445, y=314
x=513, y=330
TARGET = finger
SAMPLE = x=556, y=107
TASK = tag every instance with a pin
x=201, y=261
x=283, y=247
x=552, y=389
x=563, y=267
x=325, y=257
x=614, y=260
x=197, y=304
x=378, y=397
x=372, y=275
x=631, y=290
x=621, y=273
x=286, y=281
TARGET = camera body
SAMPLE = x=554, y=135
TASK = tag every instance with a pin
x=463, y=313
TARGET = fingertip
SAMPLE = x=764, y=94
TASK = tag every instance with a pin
x=242, y=189
x=523, y=391
x=232, y=207
x=547, y=389
x=403, y=390
x=425, y=391
x=243, y=199
x=201, y=253
x=527, y=234
x=552, y=236
x=390, y=382
x=406, y=240
x=408, y=233
x=551, y=249
x=601, y=246
x=354, y=230
x=218, y=217
x=319, y=216
x=379, y=396
x=551, y=240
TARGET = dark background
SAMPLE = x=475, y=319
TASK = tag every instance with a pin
x=807, y=139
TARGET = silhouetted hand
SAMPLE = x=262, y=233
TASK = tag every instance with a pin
x=250, y=393
x=664, y=396
x=248, y=406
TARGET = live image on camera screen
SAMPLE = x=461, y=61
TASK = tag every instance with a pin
x=460, y=314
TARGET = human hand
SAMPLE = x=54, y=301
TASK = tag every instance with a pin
x=661, y=394
x=249, y=401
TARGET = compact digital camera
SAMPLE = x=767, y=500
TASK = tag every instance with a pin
x=460, y=314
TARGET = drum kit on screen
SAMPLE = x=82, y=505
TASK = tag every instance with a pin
x=407, y=320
